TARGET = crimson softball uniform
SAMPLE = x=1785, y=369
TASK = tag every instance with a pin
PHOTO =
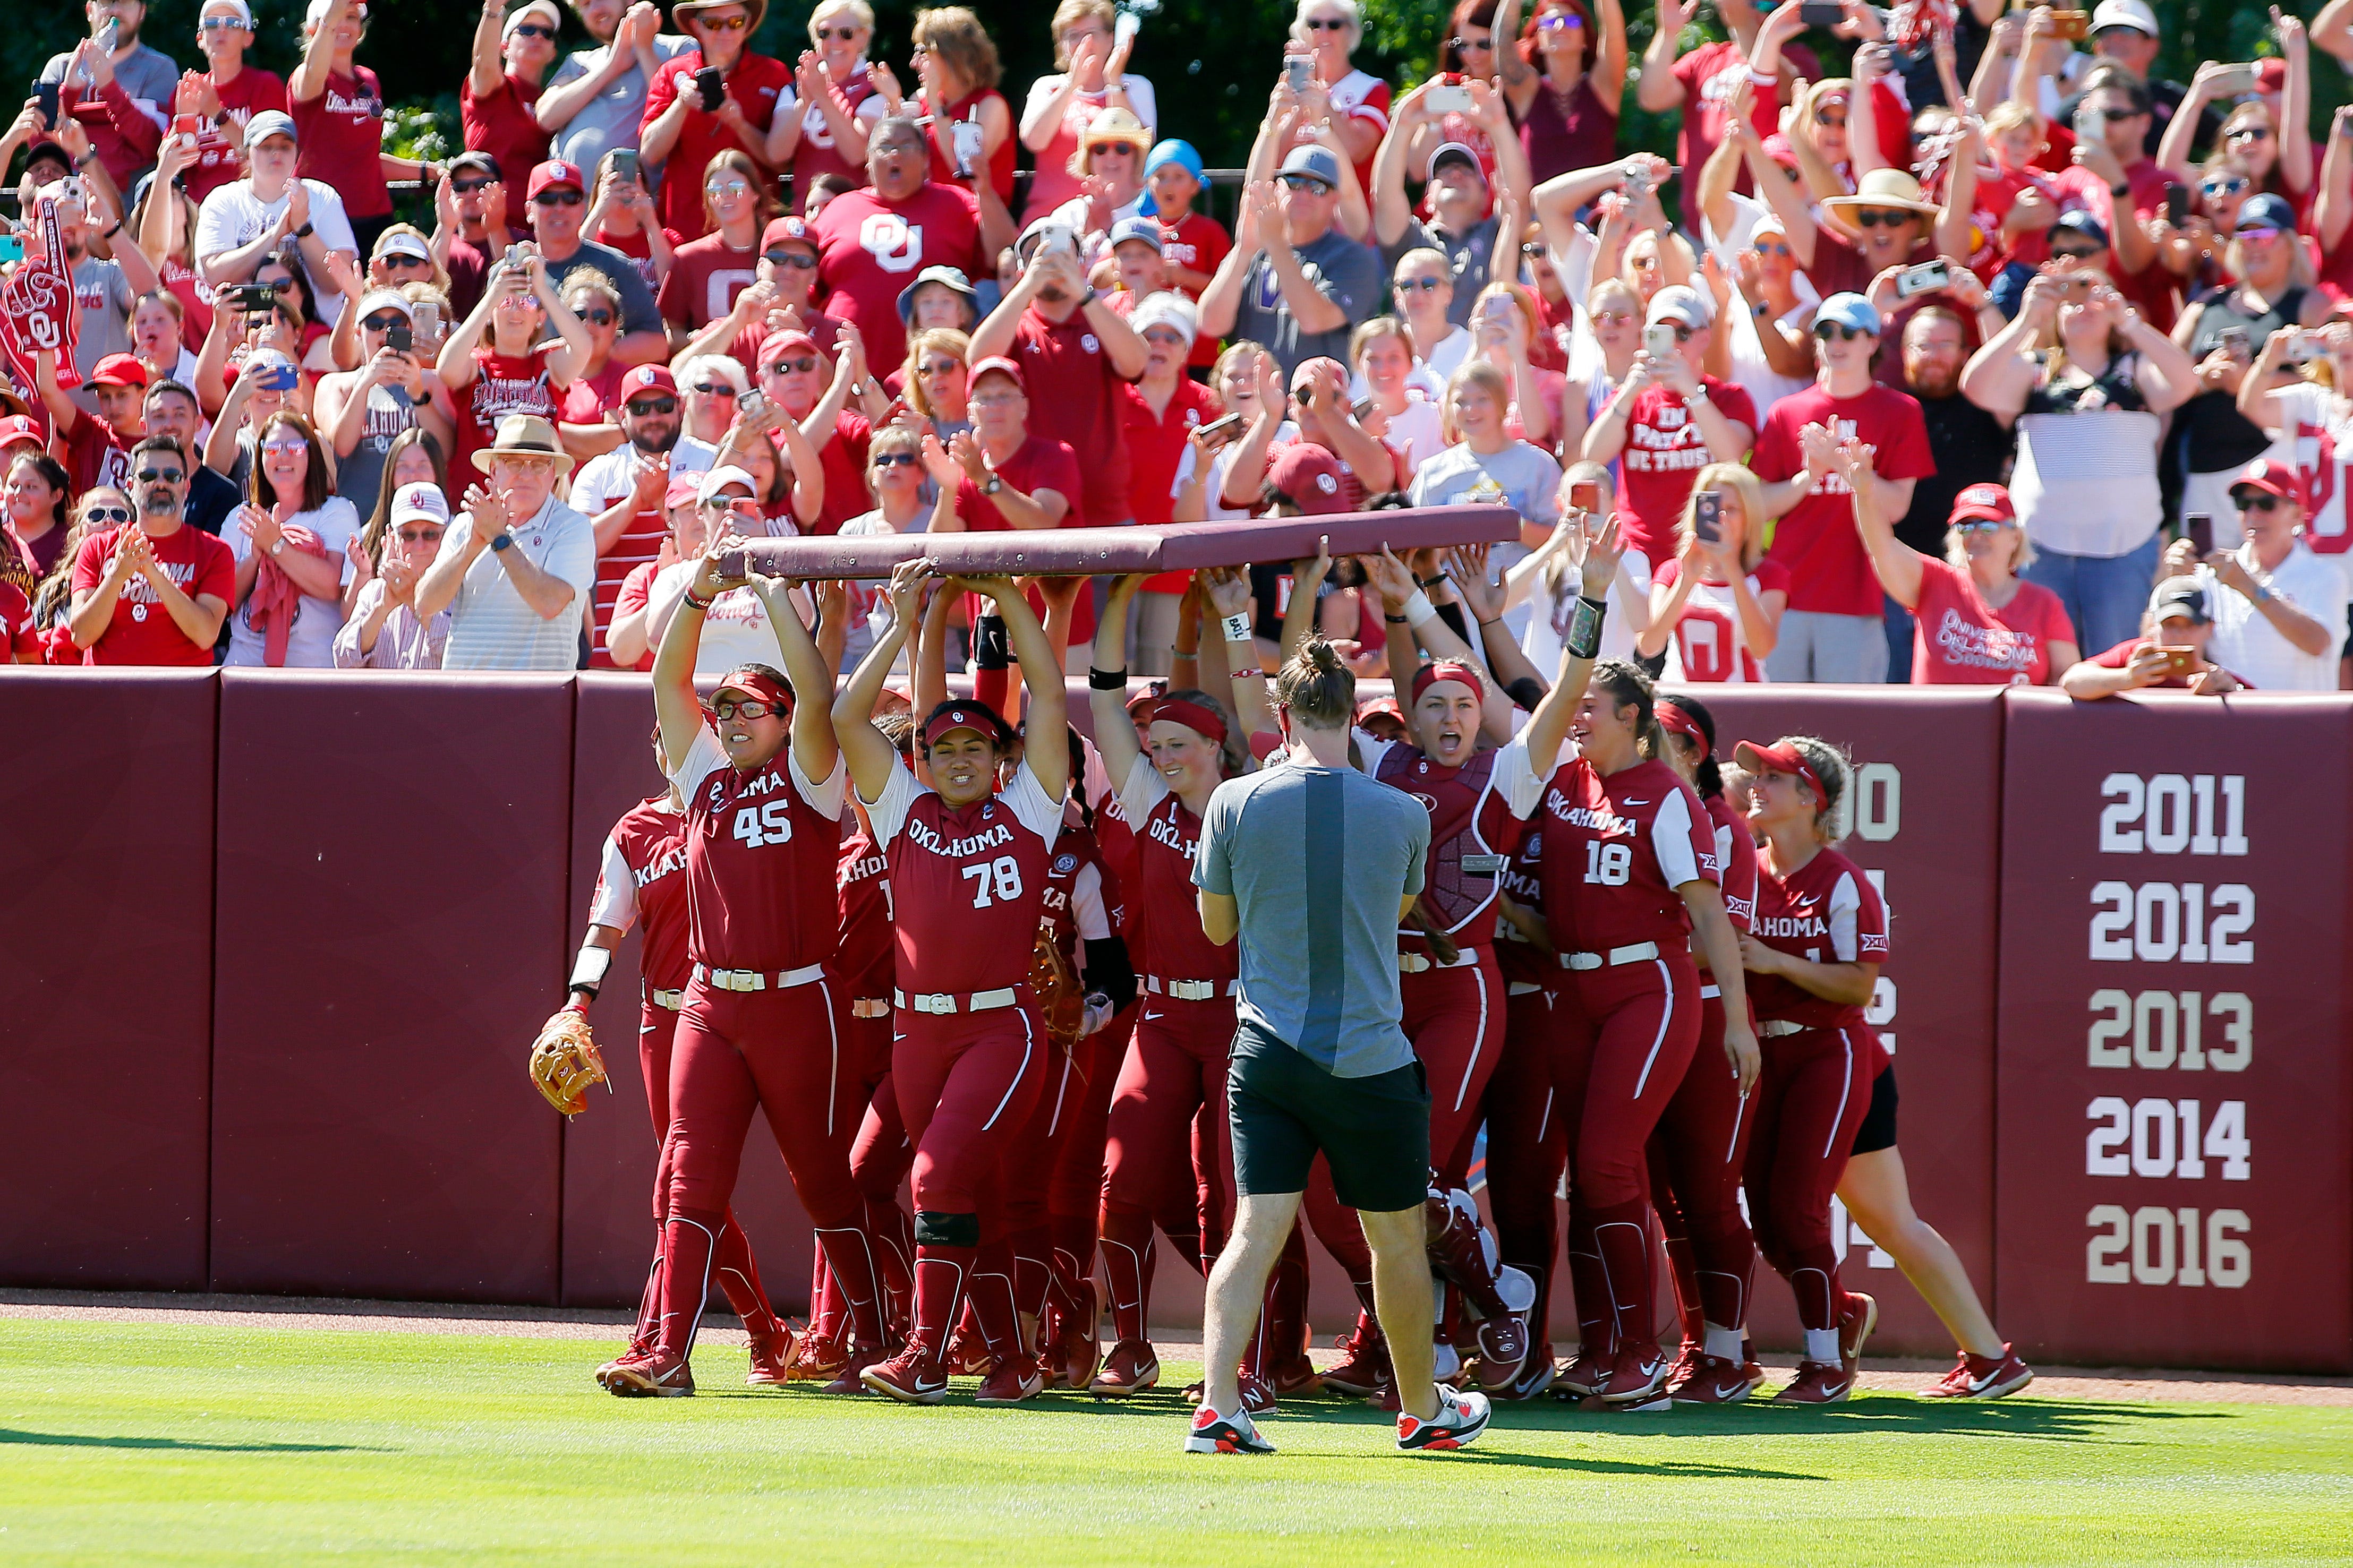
x=642, y=882
x=1821, y=1058
x=1526, y=1150
x=1074, y=1197
x=1696, y=1153
x=1616, y=847
x=1176, y=1064
x=969, y=1056
x=758, y=1030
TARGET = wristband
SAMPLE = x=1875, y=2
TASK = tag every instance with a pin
x=694, y=603
x=1396, y=620
x=1106, y=679
x=305, y=231
x=1584, y=638
x=589, y=969
x=1430, y=581
x=990, y=649
x=1763, y=78
x=1418, y=610
x=1238, y=628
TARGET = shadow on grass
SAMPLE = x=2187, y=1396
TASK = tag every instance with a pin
x=2048, y=1420
x=1665, y=1469
x=85, y=1440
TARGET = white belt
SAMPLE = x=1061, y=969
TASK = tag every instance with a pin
x=1633, y=952
x=1777, y=1026
x=673, y=1000
x=870, y=1007
x=1521, y=988
x=1190, y=990
x=1418, y=962
x=758, y=979
x=1711, y=991
x=948, y=1001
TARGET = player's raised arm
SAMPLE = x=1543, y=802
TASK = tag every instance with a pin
x=676, y=709
x=1597, y=556
x=1042, y=672
x=1107, y=684
x=814, y=745
x=869, y=751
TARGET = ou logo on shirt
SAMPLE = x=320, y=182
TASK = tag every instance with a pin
x=895, y=244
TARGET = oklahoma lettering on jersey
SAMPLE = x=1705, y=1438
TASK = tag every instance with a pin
x=760, y=850
x=1827, y=912
x=1615, y=850
x=1170, y=942
x=643, y=881
x=972, y=880
x=862, y=881
x=1475, y=815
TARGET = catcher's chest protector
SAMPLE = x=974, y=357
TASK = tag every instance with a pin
x=1463, y=867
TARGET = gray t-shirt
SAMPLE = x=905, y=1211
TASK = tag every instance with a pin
x=1468, y=255
x=1316, y=859
x=1347, y=273
x=610, y=119
x=105, y=296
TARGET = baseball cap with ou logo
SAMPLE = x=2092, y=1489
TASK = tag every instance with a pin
x=977, y=717
x=647, y=378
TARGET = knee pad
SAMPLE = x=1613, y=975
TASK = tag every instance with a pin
x=946, y=1229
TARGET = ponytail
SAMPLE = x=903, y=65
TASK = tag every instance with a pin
x=1708, y=776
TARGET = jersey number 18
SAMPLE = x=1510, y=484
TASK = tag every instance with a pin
x=1609, y=864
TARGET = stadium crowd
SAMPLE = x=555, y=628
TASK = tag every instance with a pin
x=2085, y=325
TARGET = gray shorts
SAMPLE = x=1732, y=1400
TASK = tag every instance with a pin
x=1818, y=646
x=1284, y=1110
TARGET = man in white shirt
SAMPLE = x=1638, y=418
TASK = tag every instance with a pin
x=516, y=570
x=2278, y=608
x=244, y=223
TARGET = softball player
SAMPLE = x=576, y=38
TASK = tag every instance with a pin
x=1630, y=873
x=757, y=1028
x=1817, y=941
x=1526, y=1150
x=968, y=867
x=642, y=881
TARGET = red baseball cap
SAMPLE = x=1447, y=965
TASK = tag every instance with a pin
x=1439, y=670
x=1780, y=757
x=2272, y=479
x=687, y=491
x=1675, y=721
x=1990, y=502
x=756, y=683
x=977, y=717
x=776, y=346
x=787, y=231
x=1000, y=364
x=16, y=427
x=1310, y=476
x=118, y=370
x=647, y=378
x=556, y=171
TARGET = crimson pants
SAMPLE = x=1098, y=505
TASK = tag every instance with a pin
x=865, y=1068
x=1526, y=1149
x=1623, y=1038
x=1174, y=1069
x=1074, y=1195
x=1695, y=1162
x=1815, y=1089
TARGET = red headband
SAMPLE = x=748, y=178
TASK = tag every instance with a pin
x=1431, y=674
x=759, y=684
x=1203, y=720
x=1676, y=721
x=1782, y=758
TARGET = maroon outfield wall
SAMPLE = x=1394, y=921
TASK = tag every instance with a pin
x=304, y=1071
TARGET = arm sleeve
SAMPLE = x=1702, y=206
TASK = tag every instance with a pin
x=1087, y=912
x=828, y=797
x=889, y=812
x=615, y=902
x=1684, y=848
x=1110, y=970
x=702, y=759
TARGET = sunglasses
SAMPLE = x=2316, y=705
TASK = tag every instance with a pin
x=1420, y=284
x=558, y=199
x=599, y=317
x=384, y=322
x=286, y=443
x=534, y=30
x=1826, y=330
x=2118, y=116
x=2249, y=134
x=1327, y=24
x=2059, y=255
x=940, y=367
x=803, y=367
x=1871, y=218
x=844, y=33
x=404, y=262
x=419, y=535
x=1306, y=182
x=161, y=476
x=2230, y=185
x=223, y=24
x=527, y=301
x=716, y=389
x=735, y=187
x=1483, y=45
x=1831, y=123
x=1979, y=525
x=1613, y=317
x=468, y=187
x=728, y=708
x=798, y=260
x=115, y=514
x=2259, y=231
x=1167, y=340
x=1764, y=249
x=2255, y=501
x=653, y=405
x=1561, y=22
x=721, y=23
x=895, y=460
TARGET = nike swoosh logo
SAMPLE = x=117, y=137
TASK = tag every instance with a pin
x=1631, y=800
x=1727, y=1390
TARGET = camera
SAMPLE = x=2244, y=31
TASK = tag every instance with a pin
x=1925, y=278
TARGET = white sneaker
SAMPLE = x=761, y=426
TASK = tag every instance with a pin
x=1462, y=1417
x=1214, y=1434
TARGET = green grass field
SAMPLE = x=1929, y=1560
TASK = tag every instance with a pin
x=171, y=1444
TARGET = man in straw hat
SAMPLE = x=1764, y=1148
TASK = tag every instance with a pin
x=515, y=574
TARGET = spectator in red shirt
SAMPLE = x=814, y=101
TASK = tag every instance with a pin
x=683, y=130
x=1074, y=349
x=873, y=242
x=835, y=99
x=496, y=103
x=1700, y=85
x=1158, y=413
x=782, y=297
x=98, y=446
x=1835, y=627
x=793, y=379
x=1192, y=244
x=707, y=274
x=228, y=86
x=1976, y=622
x=622, y=219
x=153, y=590
x=469, y=207
x=339, y=114
x=1669, y=419
x=499, y=362
x=956, y=64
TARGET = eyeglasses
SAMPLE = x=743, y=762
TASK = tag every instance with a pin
x=1481, y=45
x=798, y=260
x=468, y=187
x=1826, y=330
x=419, y=535
x=1979, y=525
x=1077, y=36
x=116, y=514
x=895, y=460
x=1827, y=122
x=998, y=400
x=938, y=367
x=1869, y=218
x=714, y=389
x=599, y=317
x=721, y=23
x=161, y=476
x=1166, y=339
x=2118, y=116
x=1532, y=251
x=2248, y=133
x=2255, y=501
x=2223, y=186
x=1420, y=284
x=803, y=367
x=533, y=31
x=651, y=406
x=736, y=187
x=384, y=322
x=728, y=708
x=844, y=33
x=1306, y=182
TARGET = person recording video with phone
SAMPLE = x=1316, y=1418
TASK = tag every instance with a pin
x=2278, y=608
x=2173, y=654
